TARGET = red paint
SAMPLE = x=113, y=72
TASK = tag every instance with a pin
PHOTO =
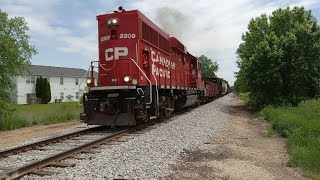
x=164, y=59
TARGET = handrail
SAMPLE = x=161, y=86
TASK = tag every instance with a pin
x=143, y=74
x=84, y=77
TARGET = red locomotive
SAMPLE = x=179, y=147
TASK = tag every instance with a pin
x=143, y=73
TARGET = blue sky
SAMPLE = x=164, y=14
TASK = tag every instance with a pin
x=65, y=31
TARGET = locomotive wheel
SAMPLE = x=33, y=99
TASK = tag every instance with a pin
x=146, y=117
x=168, y=107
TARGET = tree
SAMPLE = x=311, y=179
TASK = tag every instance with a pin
x=208, y=67
x=38, y=87
x=43, y=90
x=15, y=55
x=46, y=91
x=279, y=58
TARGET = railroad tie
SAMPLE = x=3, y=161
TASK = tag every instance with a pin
x=62, y=164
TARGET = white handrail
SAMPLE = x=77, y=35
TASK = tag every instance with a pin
x=84, y=77
x=144, y=76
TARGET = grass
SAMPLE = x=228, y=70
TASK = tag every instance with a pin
x=301, y=125
x=42, y=114
x=244, y=97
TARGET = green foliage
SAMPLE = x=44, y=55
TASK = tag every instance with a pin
x=39, y=87
x=208, y=67
x=279, y=58
x=43, y=89
x=41, y=114
x=47, y=91
x=15, y=54
x=301, y=125
x=244, y=97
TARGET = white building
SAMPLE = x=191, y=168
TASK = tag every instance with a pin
x=66, y=83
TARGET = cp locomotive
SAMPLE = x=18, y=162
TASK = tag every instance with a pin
x=143, y=73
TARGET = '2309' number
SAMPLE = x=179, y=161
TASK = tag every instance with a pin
x=128, y=35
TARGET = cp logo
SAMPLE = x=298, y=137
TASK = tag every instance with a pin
x=115, y=53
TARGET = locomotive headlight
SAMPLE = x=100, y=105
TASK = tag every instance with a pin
x=109, y=22
x=89, y=81
x=126, y=79
x=112, y=22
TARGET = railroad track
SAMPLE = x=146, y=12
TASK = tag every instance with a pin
x=55, y=159
x=31, y=146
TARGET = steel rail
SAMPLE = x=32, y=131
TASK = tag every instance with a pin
x=6, y=153
x=35, y=166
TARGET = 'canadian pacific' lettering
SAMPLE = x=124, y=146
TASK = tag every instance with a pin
x=158, y=71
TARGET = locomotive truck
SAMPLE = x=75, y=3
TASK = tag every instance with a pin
x=143, y=73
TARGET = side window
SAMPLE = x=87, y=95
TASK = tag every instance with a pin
x=145, y=58
x=28, y=79
x=33, y=79
x=61, y=81
x=77, y=81
x=61, y=95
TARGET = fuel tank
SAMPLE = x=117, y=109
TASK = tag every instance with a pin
x=190, y=98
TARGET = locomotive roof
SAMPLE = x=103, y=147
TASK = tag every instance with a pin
x=51, y=71
x=151, y=24
x=144, y=18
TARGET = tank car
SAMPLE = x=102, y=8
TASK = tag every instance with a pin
x=143, y=73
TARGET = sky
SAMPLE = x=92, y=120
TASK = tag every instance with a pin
x=65, y=31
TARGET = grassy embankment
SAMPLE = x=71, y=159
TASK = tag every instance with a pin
x=301, y=125
x=27, y=115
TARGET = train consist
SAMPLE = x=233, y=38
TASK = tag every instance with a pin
x=143, y=73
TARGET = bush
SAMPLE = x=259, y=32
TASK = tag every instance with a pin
x=301, y=125
x=43, y=90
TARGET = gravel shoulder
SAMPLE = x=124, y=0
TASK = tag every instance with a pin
x=24, y=135
x=243, y=151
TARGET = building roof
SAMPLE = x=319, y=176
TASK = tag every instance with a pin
x=51, y=71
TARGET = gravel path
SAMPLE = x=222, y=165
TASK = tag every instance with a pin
x=149, y=155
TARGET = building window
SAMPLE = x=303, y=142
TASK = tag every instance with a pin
x=30, y=79
x=77, y=95
x=31, y=95
x=77, y=81
x=33, y=79
x=61, y=81
x=62, y=95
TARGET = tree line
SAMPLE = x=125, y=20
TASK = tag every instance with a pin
x=279, y=58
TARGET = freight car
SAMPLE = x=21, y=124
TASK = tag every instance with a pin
x=143, y=73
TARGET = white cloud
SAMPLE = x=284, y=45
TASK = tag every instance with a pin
x=216, y=28
x=48, y=31
x=208, y=27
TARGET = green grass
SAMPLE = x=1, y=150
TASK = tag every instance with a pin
x=244, y=97
x=301, y=125
x=28, y=115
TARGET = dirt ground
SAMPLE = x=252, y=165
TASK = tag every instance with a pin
x=18, y=136
x=243, y=151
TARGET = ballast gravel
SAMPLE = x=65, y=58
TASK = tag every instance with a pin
x=149, y=155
